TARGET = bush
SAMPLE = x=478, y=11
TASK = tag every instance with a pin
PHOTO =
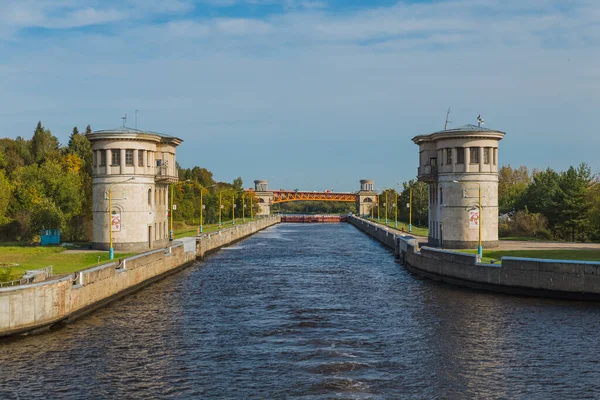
x=5, y=274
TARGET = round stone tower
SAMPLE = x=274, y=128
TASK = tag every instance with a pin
x=459, y=164
x=366, y=198
x=132, y=169
x=265, y=197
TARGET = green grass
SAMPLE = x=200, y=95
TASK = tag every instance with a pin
x=566, y=254
x=187, y=232
x=34, y=257
x=417, y=231
x=522, y=239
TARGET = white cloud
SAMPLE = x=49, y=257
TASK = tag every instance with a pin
x=308, y=79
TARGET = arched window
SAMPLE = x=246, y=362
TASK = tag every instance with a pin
x=261, y=200
x=368, y=200
x=150, y=197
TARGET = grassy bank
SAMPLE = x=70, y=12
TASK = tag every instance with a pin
x=193, y=230
x=566, y=254
x=417, y=231
x=62, y=261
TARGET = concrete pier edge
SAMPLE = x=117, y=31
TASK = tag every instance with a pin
x=565, y=279
x=37, y=307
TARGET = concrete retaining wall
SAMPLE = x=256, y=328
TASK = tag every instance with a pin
x=383, y=235
x=37, y=306
x=528, y=276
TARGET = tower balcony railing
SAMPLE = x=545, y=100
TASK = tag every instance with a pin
x=165, y=174
x=427, y=173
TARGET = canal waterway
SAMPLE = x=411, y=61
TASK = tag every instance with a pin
x=313, y=311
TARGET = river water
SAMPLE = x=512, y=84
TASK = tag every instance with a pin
x=311, y=312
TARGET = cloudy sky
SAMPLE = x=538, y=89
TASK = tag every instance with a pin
x=310, y=94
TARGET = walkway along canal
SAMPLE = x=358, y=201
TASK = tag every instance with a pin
x=36, y=306
x=311, y=311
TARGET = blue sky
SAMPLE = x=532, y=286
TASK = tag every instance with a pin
x=310, y=94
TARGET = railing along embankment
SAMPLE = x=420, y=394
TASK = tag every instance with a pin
x=527, y=276
x=38, y=305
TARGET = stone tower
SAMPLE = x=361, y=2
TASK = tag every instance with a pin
x=136, y=168
x=366, y=198
x=265, y=197
x=457, y=164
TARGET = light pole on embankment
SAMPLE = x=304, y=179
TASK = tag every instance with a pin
x=111, y=251
x=202, y=206
x=378, y=220
x=396, y=206
x=479, y=219
x=233, y=209
x=410, y=207
x=220, y=208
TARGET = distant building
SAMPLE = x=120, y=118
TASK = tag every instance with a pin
x=137, y=167
x=366, y=198
x=264, y=195
x=455, y=163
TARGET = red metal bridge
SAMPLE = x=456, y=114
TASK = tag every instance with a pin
x=283, y=196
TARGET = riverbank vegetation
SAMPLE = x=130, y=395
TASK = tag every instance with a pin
x=62, y=260
x=562, y=254
x=549, y=204
x=47, y=185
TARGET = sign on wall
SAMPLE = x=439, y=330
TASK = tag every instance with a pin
x=474, y=219
x=116, y=222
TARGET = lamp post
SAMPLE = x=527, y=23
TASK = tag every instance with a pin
x=410, y=207
x=378, y=220
x=233, y=209
x=220, y=209
x=385, y=210
x=202, y=206
x=396, y=206
x=251, y=209
x=479, y=222
x=111, y=251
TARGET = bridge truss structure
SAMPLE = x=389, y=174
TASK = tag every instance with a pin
x=283, y=196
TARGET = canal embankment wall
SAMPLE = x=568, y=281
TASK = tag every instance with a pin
x=37, y=306
x=526, y=276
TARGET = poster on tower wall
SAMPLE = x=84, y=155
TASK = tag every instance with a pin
x=473, y=219
x=116, y=222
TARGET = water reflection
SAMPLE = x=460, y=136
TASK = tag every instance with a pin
x=311, y=311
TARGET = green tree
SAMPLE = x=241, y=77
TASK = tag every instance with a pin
x=43, y=144
x=542, y=196
x=512, y=183
x=572, y=201
x=5, y=196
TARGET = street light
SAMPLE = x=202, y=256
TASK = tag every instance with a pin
x=410, y=207
x=220, y=209
x=202, y=206
x=396, y=208
x=111, y=252
x=233, y=209
x=480, y=208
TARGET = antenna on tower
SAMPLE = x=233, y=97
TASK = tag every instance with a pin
x=124, y=120
x=479, y=120
x=447, y=121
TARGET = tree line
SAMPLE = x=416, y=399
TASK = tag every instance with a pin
x=47, y=185
x=392, y=201
x=549, y=204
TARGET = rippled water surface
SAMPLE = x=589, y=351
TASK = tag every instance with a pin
x=311, y=311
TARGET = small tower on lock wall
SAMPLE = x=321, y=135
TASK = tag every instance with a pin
x=366, y=198
x=132, y=169
x=265, y=197
x=457, y=163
